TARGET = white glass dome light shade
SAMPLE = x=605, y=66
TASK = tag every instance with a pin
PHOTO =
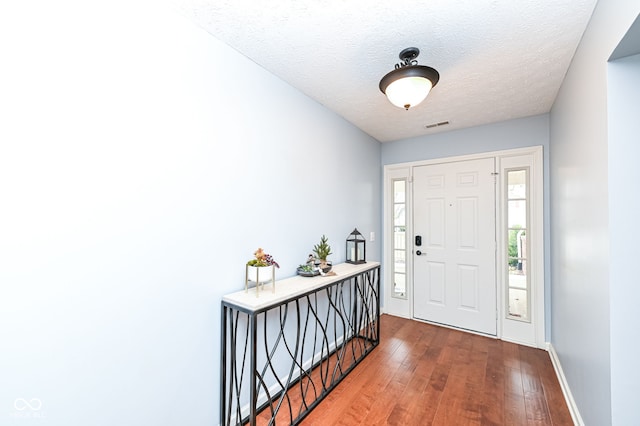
x=408, y=92
x=407, y=86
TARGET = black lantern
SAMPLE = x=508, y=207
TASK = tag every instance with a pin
x=356, y=247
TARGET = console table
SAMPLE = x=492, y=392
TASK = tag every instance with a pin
x=284, y=351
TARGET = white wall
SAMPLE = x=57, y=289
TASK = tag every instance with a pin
x=579, y=214
x=511, y=134
x=141, y=164
x=624, y=214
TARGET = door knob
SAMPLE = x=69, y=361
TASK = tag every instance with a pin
x=419, y=253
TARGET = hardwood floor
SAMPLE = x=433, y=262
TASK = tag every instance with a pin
x=422, y=374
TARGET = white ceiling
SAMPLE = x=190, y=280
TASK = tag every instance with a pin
x=497, y=59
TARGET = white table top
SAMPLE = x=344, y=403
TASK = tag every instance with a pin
x=289, y=288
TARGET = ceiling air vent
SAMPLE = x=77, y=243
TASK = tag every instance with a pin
x=431, y=126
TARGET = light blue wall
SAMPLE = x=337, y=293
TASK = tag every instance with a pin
x=523, y=132
x=141, y=164
x=624, y=213
x=580, y=219
x=519, y=133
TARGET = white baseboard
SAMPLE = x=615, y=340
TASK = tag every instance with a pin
x=571, y=403
x=396, y=314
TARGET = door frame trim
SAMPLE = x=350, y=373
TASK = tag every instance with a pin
x=404, y=307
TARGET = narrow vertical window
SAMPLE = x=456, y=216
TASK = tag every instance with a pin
x=399, y=239
x=518, y=286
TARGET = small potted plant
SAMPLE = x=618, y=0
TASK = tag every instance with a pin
x=322, y=250
x=260, y=268
x=307, y=270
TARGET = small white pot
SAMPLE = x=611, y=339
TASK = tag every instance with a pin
x=260, y=274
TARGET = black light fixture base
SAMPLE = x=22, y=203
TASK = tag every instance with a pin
x=409, y=54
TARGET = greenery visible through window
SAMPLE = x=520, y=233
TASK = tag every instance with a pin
x=513, y=245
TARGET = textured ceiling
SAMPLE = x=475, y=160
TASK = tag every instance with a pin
x=497, y=59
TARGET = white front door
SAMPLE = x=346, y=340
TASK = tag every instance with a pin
x=454, y=276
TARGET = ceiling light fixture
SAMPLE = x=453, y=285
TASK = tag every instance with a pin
x=409, y=83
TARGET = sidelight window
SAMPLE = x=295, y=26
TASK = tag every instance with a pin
x=399, y=238
x=517, y=205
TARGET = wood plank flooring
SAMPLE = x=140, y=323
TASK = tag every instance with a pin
x=422, y=374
